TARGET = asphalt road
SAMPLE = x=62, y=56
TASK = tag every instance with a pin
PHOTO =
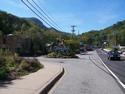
x=86, y=75
x=118, y=67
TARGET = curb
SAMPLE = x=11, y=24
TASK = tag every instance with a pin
x=113, y=74
x=47, y=87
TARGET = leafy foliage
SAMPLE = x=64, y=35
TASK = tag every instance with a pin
x=12, y=67
x=72, y=44
x=32, y=37
x=63, y=49
x=62, y=55
x=114, y=34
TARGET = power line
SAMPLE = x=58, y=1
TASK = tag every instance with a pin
x=50, y=18
x=36, y=13
x=39, y=12
x=47, y=20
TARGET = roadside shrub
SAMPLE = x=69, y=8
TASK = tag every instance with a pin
x=35, y=65
x=55, y=55
x=61, y=55
x=72, y=44
x=24, y=65
x=10, y=63
x=12, y=66
x=28, y=66
x=52, y=55
x=3, y=73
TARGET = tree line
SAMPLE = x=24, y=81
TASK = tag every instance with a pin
x=113, y=35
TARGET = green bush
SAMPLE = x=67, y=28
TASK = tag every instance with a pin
x=61, y=55
x=24, y=65
x=10, y=63
x=52, y=55
x=72, y=44
x=35, y=65
x=55, y=55
x=3, y=73
x=12, y=66
x=29, y=66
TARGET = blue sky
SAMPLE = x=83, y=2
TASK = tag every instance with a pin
x=86, y=14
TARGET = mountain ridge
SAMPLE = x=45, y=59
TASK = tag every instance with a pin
x=36, y=21
x=113, y=35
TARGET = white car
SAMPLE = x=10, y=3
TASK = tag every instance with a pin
x=123, y=55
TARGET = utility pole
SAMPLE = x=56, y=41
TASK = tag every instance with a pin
x=78, y=32
x=79, y=35
x=115, y=39
x=73, y=29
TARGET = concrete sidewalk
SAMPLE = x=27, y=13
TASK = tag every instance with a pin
x=33, y=83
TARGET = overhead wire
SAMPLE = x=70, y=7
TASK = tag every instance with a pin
x=36, y=13
x=40, y=13
x=43, y=11
x=47, y=19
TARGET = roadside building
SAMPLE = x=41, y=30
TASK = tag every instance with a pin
x=12, y=42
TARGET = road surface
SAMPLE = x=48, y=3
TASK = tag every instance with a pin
x=85, y=75
x=118, y=67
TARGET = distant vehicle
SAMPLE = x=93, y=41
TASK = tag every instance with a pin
x=82, y=50
x=114, y=55
x=122, y=55
x=89, y=48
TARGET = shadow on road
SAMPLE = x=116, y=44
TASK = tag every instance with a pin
x=6, y=83
x=98, y=66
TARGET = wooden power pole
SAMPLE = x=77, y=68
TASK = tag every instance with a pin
x=73, y=30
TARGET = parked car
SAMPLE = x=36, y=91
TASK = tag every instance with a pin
x=82, y=50
x=114, y=55
x=122, y=55
x=89, y=48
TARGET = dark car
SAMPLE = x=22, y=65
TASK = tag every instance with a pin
x=89, y=48
x=113, y=55
x=82, y=50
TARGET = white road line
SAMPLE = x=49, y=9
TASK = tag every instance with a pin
x=118, y=80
